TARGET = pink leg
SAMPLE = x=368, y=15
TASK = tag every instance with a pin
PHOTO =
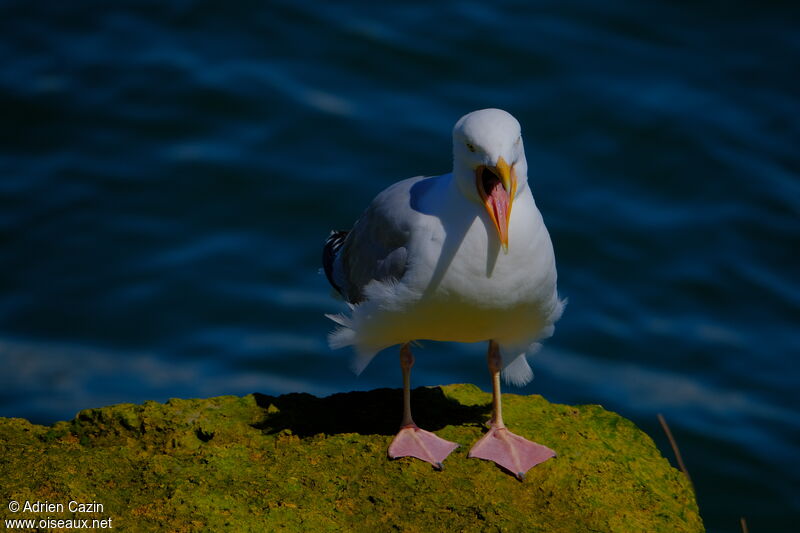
x=510, y=451
x=411, y=441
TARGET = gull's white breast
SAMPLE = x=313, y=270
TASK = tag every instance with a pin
x=460, y=285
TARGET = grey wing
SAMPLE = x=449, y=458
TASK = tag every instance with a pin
x=377, y=246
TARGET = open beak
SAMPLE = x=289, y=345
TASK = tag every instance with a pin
x=497, y=186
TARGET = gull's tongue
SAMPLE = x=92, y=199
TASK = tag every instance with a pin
x=498, y=199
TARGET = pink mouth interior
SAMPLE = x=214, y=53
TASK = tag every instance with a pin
x=498, y=199
x=496, y=195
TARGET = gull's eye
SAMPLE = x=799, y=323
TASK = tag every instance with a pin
x=471, y=148
x=518, y=140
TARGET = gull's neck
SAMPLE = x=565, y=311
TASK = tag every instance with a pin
x=462, y=181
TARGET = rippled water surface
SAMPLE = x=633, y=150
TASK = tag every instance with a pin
x=170, y=170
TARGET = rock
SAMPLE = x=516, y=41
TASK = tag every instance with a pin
x=301, y=463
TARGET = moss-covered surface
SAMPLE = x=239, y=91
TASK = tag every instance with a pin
x=301, y=463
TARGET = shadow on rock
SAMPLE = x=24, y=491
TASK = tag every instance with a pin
x=368, y=413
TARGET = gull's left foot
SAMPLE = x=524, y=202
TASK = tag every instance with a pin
x=512, y=452
x=411, y=441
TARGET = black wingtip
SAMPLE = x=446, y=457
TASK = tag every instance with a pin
x=332, y=245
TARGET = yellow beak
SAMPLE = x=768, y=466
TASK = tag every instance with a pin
x=497, y=187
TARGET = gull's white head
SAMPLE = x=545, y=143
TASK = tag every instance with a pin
x=489, y=163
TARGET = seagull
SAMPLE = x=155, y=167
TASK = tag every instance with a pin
x=446, y=258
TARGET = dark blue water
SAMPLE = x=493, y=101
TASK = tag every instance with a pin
x=169, y=170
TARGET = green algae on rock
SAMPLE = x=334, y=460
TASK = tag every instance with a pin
x=301, y=463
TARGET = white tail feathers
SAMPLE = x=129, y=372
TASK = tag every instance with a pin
x=342, y=336
x=518, y=372
x=345, y=335
x=339, y=318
